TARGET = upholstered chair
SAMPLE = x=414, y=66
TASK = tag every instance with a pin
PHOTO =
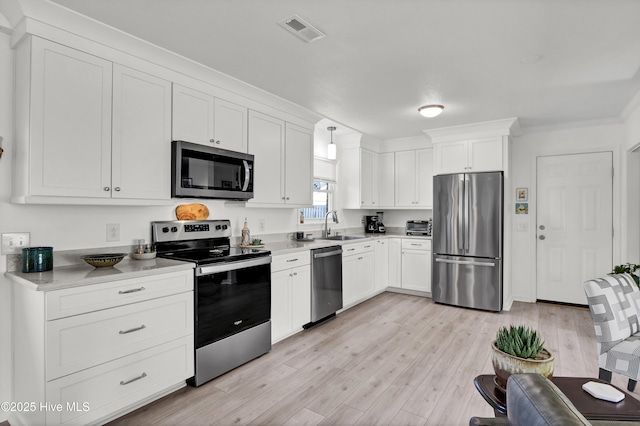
x=614, y=302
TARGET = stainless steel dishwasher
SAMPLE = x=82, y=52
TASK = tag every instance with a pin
x=326, y=282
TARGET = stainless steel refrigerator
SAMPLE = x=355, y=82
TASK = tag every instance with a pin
x=467, y=240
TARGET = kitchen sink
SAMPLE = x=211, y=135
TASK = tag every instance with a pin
x=342, y=238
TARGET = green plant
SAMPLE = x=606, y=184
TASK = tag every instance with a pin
x=519, y=341
x=628, y=268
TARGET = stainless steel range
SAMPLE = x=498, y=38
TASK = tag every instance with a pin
x=232, y=294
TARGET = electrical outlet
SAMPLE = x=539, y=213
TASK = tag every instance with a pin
x=13, y=243
x=113, y=232
x=261, y=225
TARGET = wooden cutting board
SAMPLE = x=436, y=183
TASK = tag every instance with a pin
x=192, y=212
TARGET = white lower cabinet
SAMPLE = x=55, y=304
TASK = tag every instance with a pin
x=91, y=353
x=381, y=266
x=290, y=294
x=416, y=264
x=358, y=282
x=395, y=262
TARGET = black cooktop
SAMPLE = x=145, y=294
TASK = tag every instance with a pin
x=203, y=256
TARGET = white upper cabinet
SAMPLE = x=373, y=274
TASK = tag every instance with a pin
x=386, y=179
x=283, y=164
x=472, y=155
x=63, y=103
x=359, y=171
x=414, y=178
x=141, y=143
x=205, y=119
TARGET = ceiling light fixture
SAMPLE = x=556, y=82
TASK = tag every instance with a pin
x=430, y=110
x=331, y=148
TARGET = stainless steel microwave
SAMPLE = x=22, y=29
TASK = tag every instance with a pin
x=199, y=171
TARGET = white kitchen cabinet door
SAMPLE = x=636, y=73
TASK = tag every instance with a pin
x=424, y=178
x=266, y=143
x=230, y=128
x=193, y=113
x=349, y=280
x=280, y=305
x=405, y=181
x=386, y=179
x=141, y=141
x=68, y=98
x=450, y=157
x=298, y=186
x=395, y=262
x=366, y=274
x=368, y=178
x=485, y=155
x=381, y=265
x=416, y=270
x=300, y=297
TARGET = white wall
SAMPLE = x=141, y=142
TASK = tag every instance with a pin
x=586, y=138
x=6, y=132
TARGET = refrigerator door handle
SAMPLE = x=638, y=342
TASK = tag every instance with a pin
x=466, y=214
x=466, y=262
x=461, y=210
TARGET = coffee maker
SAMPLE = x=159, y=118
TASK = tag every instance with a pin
x=374, y=225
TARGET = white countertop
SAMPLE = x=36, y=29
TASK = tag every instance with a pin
x=83, y=274
x=291, y=246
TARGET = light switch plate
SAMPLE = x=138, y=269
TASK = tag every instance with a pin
x=13, y=243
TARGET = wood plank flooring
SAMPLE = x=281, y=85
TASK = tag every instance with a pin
x=392, y=360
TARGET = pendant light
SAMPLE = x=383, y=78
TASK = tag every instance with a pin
x=430, y=110
x=331, y=148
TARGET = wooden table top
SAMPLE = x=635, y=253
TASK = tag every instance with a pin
x=590, y=407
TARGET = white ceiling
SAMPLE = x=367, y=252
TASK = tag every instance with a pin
x=382, y=59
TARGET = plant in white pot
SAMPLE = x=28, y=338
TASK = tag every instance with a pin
x=519, y=350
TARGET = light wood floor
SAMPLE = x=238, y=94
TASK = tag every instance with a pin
x=394, y=359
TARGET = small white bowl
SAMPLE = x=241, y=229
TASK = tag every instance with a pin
x=144, y=256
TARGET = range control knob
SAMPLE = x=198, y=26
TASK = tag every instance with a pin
x=224, y=226
x=165, y=229
x=174, y=229
x=218, y=227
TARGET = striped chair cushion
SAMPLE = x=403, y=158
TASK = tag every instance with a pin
x=623, y=358
x=614, y=302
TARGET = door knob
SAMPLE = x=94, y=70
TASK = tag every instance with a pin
x=542, y=237
x=542, y=228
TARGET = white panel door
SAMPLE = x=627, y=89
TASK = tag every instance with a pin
x=298, y=165
x=424, y=177
x=405, y=179
x=301, y=296
x=266, y=143
x=450, y=157
x=485, y=155
x=141, y=145
x=366, y=199
x=192, y=115
x=381, y=266
x=386, y=179
x=280, y=304
x=70, y=122
x=416, y=270
x=230, y=127
x=575, y=223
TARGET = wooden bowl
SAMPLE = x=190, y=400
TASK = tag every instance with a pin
x=103, y=260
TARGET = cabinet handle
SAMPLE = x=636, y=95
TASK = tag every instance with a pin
x=287, y=198
x=359, y=258
x=117, y=188
x=283, y=198
x=131, y=330
x=212, y=140
x=367, y=246
x=142, y=376
x=416, y=244
x=351, y=249
x=295, y=273
x=292, y=260
x=106, y=188
x=133, y=290
x=217, y=142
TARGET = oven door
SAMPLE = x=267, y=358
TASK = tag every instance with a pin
x=205, y=172
x=230, y=298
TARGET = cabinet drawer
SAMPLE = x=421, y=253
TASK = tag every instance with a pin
x=83, y=341
x=291, y=260
x=78, y=300
x=351, y=249
x=93, y=394
x=416, y=244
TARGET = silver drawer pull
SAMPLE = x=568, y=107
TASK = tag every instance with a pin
x=133, y=290
x=131, y=330
x=292, y=260
x=352, y=249
x=142, y=376
x=367, y=246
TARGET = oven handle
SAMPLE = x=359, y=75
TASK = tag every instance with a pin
x=232, y=266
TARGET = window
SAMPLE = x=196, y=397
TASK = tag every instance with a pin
x=322, y=194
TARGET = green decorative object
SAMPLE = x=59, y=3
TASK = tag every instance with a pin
x=628, y=268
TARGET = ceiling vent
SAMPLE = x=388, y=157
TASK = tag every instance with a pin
x=302, y=29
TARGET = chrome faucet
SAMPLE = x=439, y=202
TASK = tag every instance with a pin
x=327, y=231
